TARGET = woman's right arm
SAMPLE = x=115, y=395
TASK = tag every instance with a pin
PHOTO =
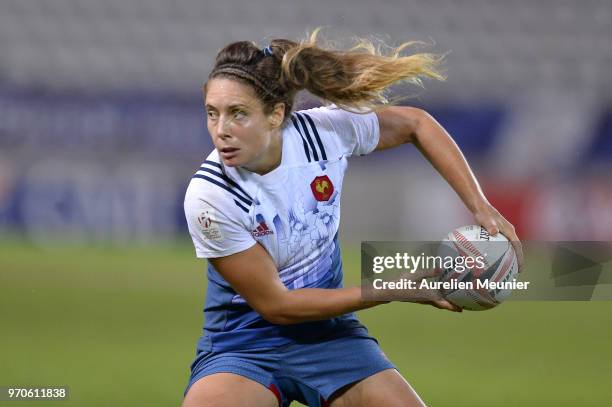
x=253, y=274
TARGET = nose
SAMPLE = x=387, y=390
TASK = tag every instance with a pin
x=222, y=128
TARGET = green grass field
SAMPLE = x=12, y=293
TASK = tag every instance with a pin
x=119, y=327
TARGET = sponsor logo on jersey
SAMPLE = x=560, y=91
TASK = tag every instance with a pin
x=261, y=230
x=322, y=188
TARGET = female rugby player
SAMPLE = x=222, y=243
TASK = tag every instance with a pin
x=264, y=209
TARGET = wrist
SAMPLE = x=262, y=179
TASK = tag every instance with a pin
x=479, y=206
x=370, y=298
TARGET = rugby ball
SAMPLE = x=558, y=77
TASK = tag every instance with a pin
x=484, y=270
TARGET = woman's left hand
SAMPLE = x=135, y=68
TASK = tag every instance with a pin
x=490, y=218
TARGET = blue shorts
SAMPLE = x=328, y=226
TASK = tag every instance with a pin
x=306, y=372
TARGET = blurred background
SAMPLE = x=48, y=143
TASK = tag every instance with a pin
x=102, y=125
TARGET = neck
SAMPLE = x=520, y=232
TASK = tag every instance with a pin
x=271, y=159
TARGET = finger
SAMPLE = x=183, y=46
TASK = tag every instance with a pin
x=444, y=304
x=510, y=233
x=518, y=249
x=492, y=228
x=491, y=225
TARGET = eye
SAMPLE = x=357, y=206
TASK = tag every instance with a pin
x=211, y=114
x=239, y=114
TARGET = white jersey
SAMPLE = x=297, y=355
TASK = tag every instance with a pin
x=292, y=211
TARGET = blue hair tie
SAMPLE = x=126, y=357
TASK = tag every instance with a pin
x=267, y=51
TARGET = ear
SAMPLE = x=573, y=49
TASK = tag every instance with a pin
x=277, y=116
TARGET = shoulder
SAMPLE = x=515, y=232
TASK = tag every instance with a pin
x=336, y=132
x=311, y=133
x=217, y=211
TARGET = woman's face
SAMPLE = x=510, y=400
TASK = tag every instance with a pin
x=242, y=133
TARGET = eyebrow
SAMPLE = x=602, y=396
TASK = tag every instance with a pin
x=234, y=106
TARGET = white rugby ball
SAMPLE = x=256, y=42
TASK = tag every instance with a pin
x=482, y=282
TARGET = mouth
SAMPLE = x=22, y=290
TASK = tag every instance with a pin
x=228, y=152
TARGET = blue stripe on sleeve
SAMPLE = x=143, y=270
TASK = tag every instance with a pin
x=213, y=163
x=308, y=136
x=316, y=133
x=240, y=206
x=226, y=179
x=302, y=136
x=219, y=184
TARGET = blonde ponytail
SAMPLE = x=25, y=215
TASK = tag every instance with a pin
x=356, y=78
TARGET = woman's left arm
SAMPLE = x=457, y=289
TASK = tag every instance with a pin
x=402, y=125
